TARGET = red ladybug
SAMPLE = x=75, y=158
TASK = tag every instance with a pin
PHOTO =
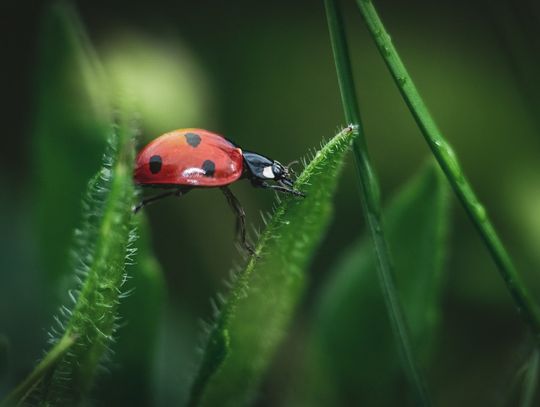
x=195, y=158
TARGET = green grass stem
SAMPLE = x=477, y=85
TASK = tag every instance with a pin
x=448, y=161
x=371, y=201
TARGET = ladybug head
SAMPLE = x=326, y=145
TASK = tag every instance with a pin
x=282, y=173
x=262, y=168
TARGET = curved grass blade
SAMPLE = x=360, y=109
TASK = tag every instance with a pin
x=263, y=297
x=351, y=355
x=102, y=246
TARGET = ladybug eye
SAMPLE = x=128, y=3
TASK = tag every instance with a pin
x=155, y=164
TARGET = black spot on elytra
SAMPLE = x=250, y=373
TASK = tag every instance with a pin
x=155, y=164
x=209, y=168
x=193, y=139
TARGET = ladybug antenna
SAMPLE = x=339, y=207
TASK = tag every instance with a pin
x=289, y=168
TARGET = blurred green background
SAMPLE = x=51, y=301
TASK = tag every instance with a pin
x=261, y=73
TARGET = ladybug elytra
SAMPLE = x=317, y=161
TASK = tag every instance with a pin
x=185, y=159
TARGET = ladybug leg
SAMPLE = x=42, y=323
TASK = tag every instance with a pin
x=178, y=193
x=235, y=205
x=282, y=188
x=152, y=199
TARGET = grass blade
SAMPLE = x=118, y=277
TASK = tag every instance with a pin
x=447, y=160
x=100, y=254
x=351, y=358
x=369, y=188
x=263, y=296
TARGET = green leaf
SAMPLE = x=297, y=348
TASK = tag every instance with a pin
x=352, y=356
x=72, y=120
x=263, y=297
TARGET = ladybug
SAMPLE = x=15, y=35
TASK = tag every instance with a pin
x=187, y=159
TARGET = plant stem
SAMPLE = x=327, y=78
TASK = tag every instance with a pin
x=18, y=395
x=369, y=189
x=451, y=167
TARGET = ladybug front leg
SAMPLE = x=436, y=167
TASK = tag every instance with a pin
x=282, y=188
x=235, y=205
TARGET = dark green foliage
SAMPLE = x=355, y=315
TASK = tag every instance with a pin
x=71, y=124
x=351, y=354
x=530, y=380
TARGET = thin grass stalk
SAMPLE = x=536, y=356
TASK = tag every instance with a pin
x=370, y=198
x=449, y=163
